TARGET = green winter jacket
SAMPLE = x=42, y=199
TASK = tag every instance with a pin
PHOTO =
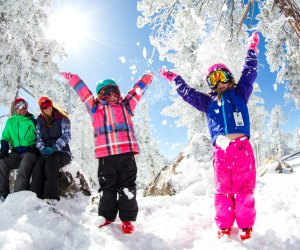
x=20, y=131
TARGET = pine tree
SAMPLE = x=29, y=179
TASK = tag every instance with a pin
x=279, y=140
x=27, y=57
x=82, y=145
x=149, y=161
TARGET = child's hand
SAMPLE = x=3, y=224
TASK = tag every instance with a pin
x=169, y=75
x=151, y=74
x=66, y=75
x=253, y=41
x=72, y=78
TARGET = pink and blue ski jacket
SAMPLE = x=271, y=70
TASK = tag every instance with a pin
x=220, y=118
x=113, y=128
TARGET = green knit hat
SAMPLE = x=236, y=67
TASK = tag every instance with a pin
x=104, y=83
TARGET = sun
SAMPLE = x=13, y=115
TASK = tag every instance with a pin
x=69, y=27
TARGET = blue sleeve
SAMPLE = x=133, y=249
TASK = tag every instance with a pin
x=192, y=96
x=249, y=73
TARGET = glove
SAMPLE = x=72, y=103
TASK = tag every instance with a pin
x=253, y=41
x=47, y=151
x=3, y=154
x=72, y=78
x=151, y=74
x=54, y=148
x=169, y=75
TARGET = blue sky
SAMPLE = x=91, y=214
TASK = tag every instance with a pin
x=112, y=33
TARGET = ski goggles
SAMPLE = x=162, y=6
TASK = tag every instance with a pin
x=217, y=76
x=46, y=104
x=21, y=105
x=108, y=91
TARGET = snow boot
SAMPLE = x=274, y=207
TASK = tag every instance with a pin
x=246, y=233
x=225, y=231
x=127, y=227
x=105, y=223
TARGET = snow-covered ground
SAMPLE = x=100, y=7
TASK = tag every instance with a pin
x=183, y=221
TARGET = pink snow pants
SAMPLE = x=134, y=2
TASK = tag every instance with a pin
x=235, y=178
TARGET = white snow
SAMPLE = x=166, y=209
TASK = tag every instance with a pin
x=164, y=122
x=223, y=142
x=183, y=221
x=122, y=59
x=133, y=69
x=145, y=53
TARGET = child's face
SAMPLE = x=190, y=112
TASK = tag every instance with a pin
x=222, y=87
x=114, y=99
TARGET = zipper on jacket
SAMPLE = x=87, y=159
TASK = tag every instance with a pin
x=26, y=132
x=19, y=133
x=224, y=117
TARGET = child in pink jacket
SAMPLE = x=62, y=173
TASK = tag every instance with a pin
x=115, y=145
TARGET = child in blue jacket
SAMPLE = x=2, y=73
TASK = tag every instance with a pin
x=229, y=125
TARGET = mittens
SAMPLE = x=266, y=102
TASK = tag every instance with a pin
x=72, y=78
x=169, y=75
x=253, y=41
x=47, y=151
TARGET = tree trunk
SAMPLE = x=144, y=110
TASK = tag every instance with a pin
x=290, y=9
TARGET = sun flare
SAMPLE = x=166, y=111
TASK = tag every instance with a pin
x=69, y=27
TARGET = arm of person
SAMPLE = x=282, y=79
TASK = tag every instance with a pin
x=65, y=138
x=138, y=90
x=192, y=96
x=82, y=91
x=5, y=135
x=40, y=145
x=249, y=73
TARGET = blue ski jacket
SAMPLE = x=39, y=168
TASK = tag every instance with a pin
x=220, y=113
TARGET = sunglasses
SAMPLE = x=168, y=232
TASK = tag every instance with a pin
x=108, y=91
x=21, y=105
x=46, y=104
x=217, y=76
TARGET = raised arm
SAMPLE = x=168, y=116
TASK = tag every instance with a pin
x=192, y=96
x=249, y=73
x=82, y=90
x=138, y=90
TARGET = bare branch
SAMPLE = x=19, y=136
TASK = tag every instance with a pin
x=220, y=19
x=232, y=19
x=167, y=17
x=290, y=9
x=245, y=15
x=252, y=15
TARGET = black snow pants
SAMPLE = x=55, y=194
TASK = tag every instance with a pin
x=24, y=164
x=117, y=175
x=45, y=175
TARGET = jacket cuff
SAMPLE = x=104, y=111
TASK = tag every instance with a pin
x=4, y=146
